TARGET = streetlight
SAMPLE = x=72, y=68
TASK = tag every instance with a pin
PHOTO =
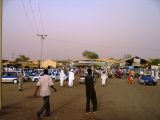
x=42, y=38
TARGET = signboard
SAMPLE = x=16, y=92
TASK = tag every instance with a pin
x=136, y=60
x=154, y=67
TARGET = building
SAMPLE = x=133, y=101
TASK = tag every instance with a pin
x=134, y=61
x=102, y=62
x=28, y=63
x=49, y=63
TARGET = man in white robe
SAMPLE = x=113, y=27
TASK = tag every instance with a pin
x=157, y=75
x=71, y=78
x=153, y=73
x=104, y=77
x=62, y=77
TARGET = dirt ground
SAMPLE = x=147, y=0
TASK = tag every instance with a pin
x=116, y=101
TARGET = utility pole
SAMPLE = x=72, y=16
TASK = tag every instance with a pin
x=1, y=54
x=41, y=54
x=12, y=58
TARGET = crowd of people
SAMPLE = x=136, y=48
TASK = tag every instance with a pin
x=45, y=81
x=102, y=73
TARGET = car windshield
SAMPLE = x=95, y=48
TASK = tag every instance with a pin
x=10, y=74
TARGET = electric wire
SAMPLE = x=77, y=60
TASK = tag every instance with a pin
x=33, y=22
x=27, y=16
x=42, y=25
x=34, y=18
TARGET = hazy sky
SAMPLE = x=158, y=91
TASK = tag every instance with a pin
x=110, y=28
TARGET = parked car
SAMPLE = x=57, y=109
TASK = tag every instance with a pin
x=82, y=78
x=31, y=75
x=25, y=75
x=147, y=80
x=56, y=75
x=10, y=77
x=37, y=77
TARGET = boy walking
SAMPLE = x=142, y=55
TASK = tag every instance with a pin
x=44, y=84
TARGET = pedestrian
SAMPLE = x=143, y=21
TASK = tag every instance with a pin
x=90, y=92
x=20, y=80
x=44, y=84
x=130, y=79
x=141, y=72
x=153, y=73
x=103, y=77
x=157, y=74
x=62, y=77
x=71, y=78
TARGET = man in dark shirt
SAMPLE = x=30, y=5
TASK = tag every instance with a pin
x=90, y=92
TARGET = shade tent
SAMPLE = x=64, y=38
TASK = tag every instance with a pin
x=135, y=61
x=50, y=63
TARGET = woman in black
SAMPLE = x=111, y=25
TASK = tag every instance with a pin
x=90, y=92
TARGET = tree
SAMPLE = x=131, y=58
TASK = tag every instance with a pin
x=155, y=61
x=127, y=56
x=22, y=58
x=90, y=55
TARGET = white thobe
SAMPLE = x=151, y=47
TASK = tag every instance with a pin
x=62, y=76
x=157, y=75
x=103, y=77
x=71, y=78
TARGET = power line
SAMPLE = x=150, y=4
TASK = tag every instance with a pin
x=34, y=19
x=35, y=24
x=41, y=17
x=27, y=16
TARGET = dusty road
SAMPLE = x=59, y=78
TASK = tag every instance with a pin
x=117, y=101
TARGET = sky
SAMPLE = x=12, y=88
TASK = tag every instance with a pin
x=110, y=28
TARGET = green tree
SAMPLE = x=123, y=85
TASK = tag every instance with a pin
x=22, y=58
x=127, y=56
x=90, y=54
x=155, y=61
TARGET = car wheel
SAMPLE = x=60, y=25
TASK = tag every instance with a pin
x=36, y=80
x=155, y=83
x=53, y=79
x=15, y=81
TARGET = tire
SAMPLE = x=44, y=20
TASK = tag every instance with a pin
x=155, y=83
x=36, y=79
x=15, y=81
x=53, y=79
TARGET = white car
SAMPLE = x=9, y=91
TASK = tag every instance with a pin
x=82, y=78
x=37, y=77
x=10, y=77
